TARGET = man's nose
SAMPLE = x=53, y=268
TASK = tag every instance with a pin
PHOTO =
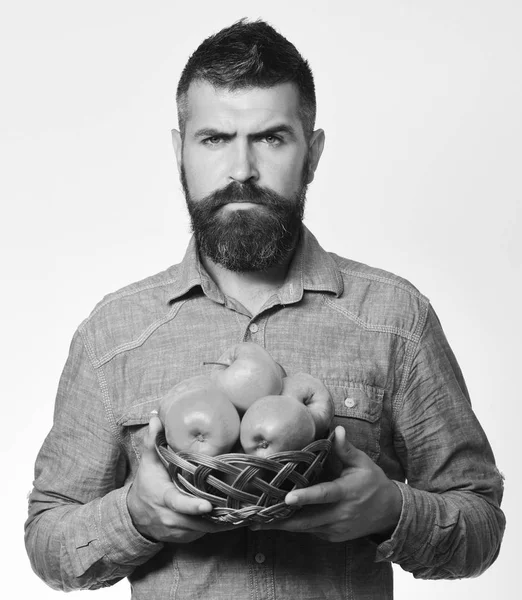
x=244, y=164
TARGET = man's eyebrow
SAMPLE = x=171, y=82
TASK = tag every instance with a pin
x=210, y=132
x=206, y=132
x=282, y=128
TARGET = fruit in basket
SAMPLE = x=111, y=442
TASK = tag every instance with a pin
x=198, y=381
x=246, y=372
x=313, y=393
x=199, y=417
x=276, y=423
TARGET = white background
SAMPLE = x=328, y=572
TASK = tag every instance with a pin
x=421, y=175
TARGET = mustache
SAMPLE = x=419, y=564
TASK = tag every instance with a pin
x=241, y=192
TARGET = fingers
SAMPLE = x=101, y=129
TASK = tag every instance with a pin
x=185, y=504
x=345, y=451
x=155, y=426
x=327, y=492
x=340, y=437
x=172, y=497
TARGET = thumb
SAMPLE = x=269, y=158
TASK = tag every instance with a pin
x=345, y=451
x=149, y=443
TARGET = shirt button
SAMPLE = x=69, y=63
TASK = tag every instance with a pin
x=349, y=402
x=254, y=328
x=260, y=558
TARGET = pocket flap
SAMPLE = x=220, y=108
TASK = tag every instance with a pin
x=357, y=400
x=138, y=414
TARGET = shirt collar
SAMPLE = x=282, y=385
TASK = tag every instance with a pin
x=189, y=274
x=311, y=269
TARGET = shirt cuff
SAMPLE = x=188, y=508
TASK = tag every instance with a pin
x=387, y=548
x=122, y=543
x=414, y=528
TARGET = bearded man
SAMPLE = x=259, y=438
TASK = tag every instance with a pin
x=417, y=484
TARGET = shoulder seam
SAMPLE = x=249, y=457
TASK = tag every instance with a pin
x=125, y=292
x=109, y=414
x=403, y=286
x=408, y=362
x=98, y=362
x=368, y=326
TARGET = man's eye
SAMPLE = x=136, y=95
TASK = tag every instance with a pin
x=213, y=140
x=272, y=140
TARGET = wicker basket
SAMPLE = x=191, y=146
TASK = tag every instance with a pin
x=257, y=485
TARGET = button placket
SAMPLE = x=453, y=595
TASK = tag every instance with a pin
x=261, y=546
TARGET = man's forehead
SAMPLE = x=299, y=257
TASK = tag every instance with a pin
x=206, y=103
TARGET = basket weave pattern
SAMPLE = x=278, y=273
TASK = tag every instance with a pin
x=257, y=485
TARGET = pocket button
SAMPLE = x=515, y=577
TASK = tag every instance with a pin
x=349, y=402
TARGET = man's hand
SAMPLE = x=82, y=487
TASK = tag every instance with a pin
x=362, y=501
x=158, y=509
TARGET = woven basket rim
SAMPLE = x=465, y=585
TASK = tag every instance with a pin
x=250, y=497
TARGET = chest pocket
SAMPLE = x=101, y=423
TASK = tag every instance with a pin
x=134, y=426
x=358, y=408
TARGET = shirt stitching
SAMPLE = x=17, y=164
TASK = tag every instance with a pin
x=380, y=278
x=175, y=579
x=380, y=328
x=142, y=288
x=408, y=361
x=104, y=388
x=142, y=338
x=348, y=570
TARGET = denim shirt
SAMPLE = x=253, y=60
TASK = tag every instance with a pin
x=377, y=345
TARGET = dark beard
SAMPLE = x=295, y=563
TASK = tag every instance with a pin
x=246, y=240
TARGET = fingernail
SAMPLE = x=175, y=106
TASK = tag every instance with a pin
x=291, y=499
x=204, y=507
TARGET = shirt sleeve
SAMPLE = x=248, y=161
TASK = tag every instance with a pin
x=451, y=524
x=79, y=534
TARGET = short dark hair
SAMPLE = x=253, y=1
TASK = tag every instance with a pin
x=245, y=55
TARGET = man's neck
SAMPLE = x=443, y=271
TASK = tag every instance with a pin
x=251, y=288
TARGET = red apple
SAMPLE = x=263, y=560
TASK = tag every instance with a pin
x=275, y=424
x=313, y=394
x=246, y=372
x=199, y=417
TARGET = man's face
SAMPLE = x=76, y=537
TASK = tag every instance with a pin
x=245, y=164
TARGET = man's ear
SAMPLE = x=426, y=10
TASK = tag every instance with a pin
x=316, y=147
x=178, y=146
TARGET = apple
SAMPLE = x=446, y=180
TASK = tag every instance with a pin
x=276, y=424
x=246, y=372
x=313, y=394
x=199, y=417
x=198, y=381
